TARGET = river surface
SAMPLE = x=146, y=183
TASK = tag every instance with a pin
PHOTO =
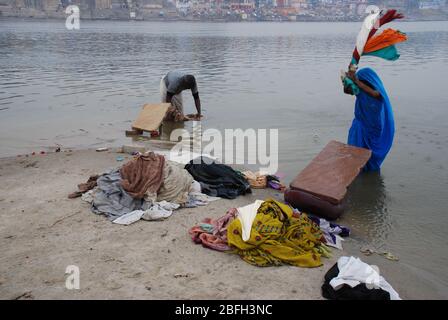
x=82, y=89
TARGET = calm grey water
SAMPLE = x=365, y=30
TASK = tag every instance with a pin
x=83, y=89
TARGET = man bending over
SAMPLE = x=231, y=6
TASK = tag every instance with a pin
x=171, y=87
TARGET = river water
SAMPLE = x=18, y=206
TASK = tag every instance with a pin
x=82, y=89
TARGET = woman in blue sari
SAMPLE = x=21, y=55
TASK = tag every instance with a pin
x=373, y=127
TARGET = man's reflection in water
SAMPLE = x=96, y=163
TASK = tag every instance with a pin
x=168, y=127
x=188, y=133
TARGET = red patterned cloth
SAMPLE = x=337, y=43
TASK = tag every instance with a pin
x=213, y=233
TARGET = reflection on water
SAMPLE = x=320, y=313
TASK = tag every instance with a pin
x=185, y=136
x=84, y=89
x=168, y=127
x=367, y=207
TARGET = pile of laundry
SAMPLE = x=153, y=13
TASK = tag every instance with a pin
x=217, y=179
x=258, y=180
x=352, y=279
x=150, y=187
x=268, y=233
x=332, y=232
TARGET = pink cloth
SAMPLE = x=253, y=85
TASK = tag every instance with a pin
x=215, y=239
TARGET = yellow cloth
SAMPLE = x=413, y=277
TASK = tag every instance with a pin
x=277, y=237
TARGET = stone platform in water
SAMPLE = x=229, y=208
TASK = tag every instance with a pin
x=321, y=187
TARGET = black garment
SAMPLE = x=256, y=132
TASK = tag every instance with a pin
x=360, y=292
x=218, y=180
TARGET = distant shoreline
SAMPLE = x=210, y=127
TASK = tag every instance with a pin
x=173, y=20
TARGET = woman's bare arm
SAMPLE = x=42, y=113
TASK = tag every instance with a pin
x=371, y=92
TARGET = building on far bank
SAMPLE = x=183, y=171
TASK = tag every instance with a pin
x=242, y=5
x=299, y=4
x=43, y=5
x=432, y=4
x=229, y=10
x=183, y=6
x=103, y=4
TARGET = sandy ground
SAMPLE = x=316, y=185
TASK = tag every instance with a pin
x=42, y=232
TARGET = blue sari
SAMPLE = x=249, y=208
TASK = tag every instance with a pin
x=373, y=127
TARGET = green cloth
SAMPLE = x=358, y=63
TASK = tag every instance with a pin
x=389, y=53
x=349, y=83
x=206, y=227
